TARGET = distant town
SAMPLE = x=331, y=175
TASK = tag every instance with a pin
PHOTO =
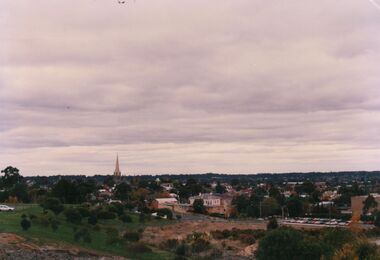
x=191, y=216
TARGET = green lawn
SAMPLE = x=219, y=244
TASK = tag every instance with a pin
x=10, y=222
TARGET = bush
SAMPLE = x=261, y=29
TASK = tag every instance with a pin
x=83, y=211
x=200, y=245
x=116, y=208
x=73, y=215
x=182, y=249
x=106, y=215
x=125, y=218
x=54, y=224
x=132, y=236
x=139, y=248
x=272, y=224
x=53, y=204
x=25, y=224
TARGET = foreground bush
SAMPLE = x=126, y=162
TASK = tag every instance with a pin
x=25, y=224
x=132, y=236
x=73, y=215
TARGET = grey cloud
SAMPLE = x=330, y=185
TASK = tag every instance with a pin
x=190, y=82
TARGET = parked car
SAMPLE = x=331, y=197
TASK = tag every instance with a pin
x=6, y=208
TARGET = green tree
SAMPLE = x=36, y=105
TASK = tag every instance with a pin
x=294, y=206
x=11, y=177
x=53, y=204
x=368, y=204
x=199, y=207
x=122, y=191
x=282, y=244
x=25, y=224
x=220, y=188
x=269, y=207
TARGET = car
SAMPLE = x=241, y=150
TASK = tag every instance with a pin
x=6, y=208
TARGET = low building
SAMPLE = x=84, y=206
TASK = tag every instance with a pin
x=167, y=186
x=215, y=203
x=162, y=203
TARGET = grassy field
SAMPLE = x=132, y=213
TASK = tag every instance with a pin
x=10, y=223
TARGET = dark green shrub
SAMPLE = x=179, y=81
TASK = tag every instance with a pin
x=54, y=224
x=125, y=218
x=83, y=211
x=182, y=249
x=132, y=236
x=53, y=204
x=106, y=215
x=116, y=208
x=200, y=245
x=25, y=224
x=73, y=215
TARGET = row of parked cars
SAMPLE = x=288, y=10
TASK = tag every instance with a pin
x=317, y=221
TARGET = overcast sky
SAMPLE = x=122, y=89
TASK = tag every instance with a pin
x=177, y=86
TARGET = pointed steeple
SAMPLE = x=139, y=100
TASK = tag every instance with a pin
x=117, y=172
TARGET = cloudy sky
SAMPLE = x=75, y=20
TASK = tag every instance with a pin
x=177, y=86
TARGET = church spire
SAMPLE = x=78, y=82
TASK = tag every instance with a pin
x=117, y=172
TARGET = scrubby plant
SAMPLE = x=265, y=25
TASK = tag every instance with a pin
x=125, y=218
x=25, y=224
x=73, y=215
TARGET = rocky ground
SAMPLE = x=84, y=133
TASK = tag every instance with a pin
x=236, y=250
x=14, y=247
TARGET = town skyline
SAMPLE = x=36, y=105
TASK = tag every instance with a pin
x=189, y=87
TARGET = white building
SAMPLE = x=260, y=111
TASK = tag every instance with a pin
x=209, y=199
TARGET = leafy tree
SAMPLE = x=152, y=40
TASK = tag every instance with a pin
x=199, y=207
x=73, y=215
x=220, y=188
x=269, y=207
x=122, y=191
x=282, y=244
x=25, y=224
x=20, y=190
x=377, y=219
x=11, y=177
x=306, y=187
x=66, y=191
x=294, y=206
x=337, y=237
x=53, y=204
x=368, y=204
